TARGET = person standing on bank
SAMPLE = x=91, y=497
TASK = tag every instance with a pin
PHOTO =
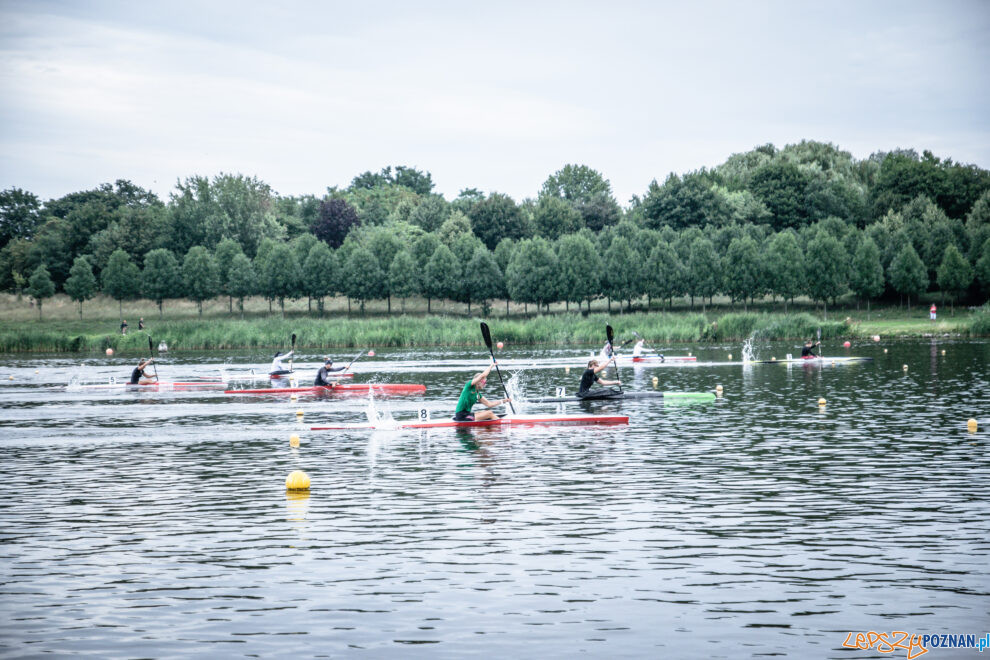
x=141, y=323
x=471, y=394
x=931, y=312
x=123, y=327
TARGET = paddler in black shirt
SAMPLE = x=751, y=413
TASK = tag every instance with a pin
x=323, y=375
x=590, y=377
x=139, y=377
x=809, y=350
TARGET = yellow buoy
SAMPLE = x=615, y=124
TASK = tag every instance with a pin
x=821, y=401
x=655, y=381
x=299, y=413
x=297, y=480
x=11, y=378
x=718, y=390
x=943, y=351
x=971, y=425
x=567, y=370
x=773, y=359
x=885, y=350
x=904, y=367
x=38, y=372
x=294, y=441
x=293, y=397
x=730, y=357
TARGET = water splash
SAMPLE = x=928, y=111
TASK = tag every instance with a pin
x=747, y=350
x=378, y=418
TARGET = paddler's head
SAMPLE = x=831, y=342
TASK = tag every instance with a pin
x=277, y=353
x=328, y=363
x=593, y=364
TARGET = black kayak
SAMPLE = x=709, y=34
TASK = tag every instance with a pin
x=613, y=395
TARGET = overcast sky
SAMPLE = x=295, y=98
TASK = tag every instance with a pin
x=494, y=95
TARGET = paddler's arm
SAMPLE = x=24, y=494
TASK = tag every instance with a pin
x=483, y=375
x=602, y=381
x=491, y=404
x=600, y=368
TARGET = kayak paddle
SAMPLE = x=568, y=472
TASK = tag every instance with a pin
x=293, y=350
x=611, y=336
x=351, y=362
x=151, y=351
x=487, y=334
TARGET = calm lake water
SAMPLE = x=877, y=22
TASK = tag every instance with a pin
x=158, y=525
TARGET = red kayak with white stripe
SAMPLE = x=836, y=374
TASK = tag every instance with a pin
x=340, y=388
x=501, y=422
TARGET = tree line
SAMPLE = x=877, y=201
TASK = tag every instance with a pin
x=807, y=219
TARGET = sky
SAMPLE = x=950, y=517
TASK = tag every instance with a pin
x=495, y=96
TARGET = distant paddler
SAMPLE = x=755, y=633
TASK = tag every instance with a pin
x=808, y=352
x=278, y=369
x=323, y=375
x=471, y=394
x=590, y=377
x=140, y=377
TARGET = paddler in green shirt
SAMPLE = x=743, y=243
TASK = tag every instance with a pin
x=471, y=394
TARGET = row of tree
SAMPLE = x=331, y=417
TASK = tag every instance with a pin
x=624, y=263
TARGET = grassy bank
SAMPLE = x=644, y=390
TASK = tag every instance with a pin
x=220, y=331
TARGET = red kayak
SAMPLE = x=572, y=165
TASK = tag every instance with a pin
x=516, y=420
x=666, y=358
x=349, y=388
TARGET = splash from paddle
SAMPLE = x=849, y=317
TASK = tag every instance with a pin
x=151, y=351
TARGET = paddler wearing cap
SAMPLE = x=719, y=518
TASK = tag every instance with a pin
x=471, y=394
x=323, y=375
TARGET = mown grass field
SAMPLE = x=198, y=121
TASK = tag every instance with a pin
x=181, y=327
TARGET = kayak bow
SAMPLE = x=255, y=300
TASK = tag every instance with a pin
x=621, y=396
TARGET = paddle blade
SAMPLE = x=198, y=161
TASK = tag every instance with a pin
x=151, y=347
x=487, y=334
x=293, y=340
x=609, y=333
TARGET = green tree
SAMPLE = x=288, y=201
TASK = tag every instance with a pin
x=866, y=276
x=443, y=275
x=226, y=250
x=691, y=201
x=403, y=276
x=362, y=277
x=783, y=187
x=482, y=279
x=496, y=218
x=199, y=275
x=19, y=215
x=580, y=269
x=785, y=266
x=983, y=267
x=162, y=277
x=320, y=273
x=532, y=273
x=431, y=213
x=40, y=286
x=242, y=281
x=664, y=274
x=281, y=277
x=703, y=271
x=621, y=272
x=553, y=217
x=954, y=273
x=587, y=192
x=81, y=284
x=826, y=269
x=423, y=249
x=121, y=279
x=908, y=275
x=743, y=270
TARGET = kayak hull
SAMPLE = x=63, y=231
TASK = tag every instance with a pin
x=342, y=388
x=666, y=358
x=292, y=375
x=693, y=396
x=502, y=422
x=816, y=360
x=157, y=387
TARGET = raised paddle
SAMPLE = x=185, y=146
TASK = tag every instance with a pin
x=352, y=362
x=611, y=336
x=151, y=351
x=292, y=351
x=487, y=334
